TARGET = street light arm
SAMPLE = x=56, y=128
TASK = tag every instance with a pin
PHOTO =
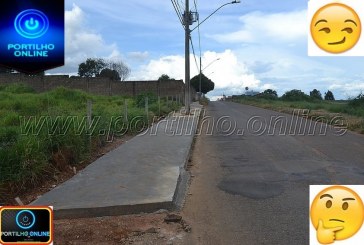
x=236, y=1
x=210, y=64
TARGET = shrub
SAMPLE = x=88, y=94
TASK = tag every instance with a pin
x=268, y=94
x=140, y=99
x=295, y=95
x=358, y=101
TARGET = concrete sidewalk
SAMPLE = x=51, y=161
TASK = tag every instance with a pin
x=143, y=175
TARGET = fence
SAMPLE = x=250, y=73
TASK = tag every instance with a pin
x=100, y=86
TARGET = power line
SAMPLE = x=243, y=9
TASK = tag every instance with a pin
x=178, y=11
x=199, y=46
x=194, y=55
x=198, y=28
x=176, y=8
x=180, y=5
x=195, y=5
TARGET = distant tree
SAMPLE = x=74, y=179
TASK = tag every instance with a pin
x=120, y=67
x=206, y=84
x=295, y=95
x=91, y=67
x=329, y=95
x=357, y=101
x=268, y=94
x=165, y=77
x=315, y=94
x=111, y=74
x=94, y=67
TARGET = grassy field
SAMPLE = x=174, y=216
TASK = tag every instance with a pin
x=351, y=111
x=40, y=130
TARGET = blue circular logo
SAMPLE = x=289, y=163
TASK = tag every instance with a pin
x=31, y=23
x=25, y=219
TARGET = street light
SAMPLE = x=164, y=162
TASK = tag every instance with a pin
x=210, y=74
x=233, y=2
x=210, y=64
x=201, y=70
x=187, y=21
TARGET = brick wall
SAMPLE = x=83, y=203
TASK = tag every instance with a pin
x=101, y=86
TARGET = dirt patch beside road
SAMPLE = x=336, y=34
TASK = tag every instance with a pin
x=126, y=229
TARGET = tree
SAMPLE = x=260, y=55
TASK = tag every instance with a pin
x=329, y=95
x=111, y=74
x=295, y=95
x=206, y=84
x=315, y=94
x=165, y=77
x=268, y=94
x=91, y=68
x=122, y=69
x=94, y=67
x=358, y=101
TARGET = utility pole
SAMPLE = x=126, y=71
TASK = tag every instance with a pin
x=188, y=18
x=187, y=22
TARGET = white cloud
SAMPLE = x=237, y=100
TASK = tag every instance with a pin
x=269, y=86
x=172, y=65
x=229, y=74
x=348, y=89
x=82, y=42
x=259, y=27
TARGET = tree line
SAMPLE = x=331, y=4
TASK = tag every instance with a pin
x=98, y=67
x=92, y=67
x=296, y=95
x=207, y=84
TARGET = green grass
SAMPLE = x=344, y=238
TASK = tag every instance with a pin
x=34, y=127
x=352, y=111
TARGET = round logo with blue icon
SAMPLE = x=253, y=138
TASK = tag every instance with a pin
x=25, y=219
x=31, y=23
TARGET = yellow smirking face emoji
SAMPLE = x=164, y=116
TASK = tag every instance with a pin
x=335, y=28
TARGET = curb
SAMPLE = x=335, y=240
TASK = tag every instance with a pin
x=185, y=176
x=111, y=211
x=175, y=202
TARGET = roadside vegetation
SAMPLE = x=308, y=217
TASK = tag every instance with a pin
x=352, y=111
x=42, y=134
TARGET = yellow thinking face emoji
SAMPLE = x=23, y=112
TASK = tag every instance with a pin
x=337, y=213
x=335, y=28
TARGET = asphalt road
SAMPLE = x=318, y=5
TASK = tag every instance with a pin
x=251, y=180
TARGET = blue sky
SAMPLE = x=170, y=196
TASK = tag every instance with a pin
x=261, y=44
